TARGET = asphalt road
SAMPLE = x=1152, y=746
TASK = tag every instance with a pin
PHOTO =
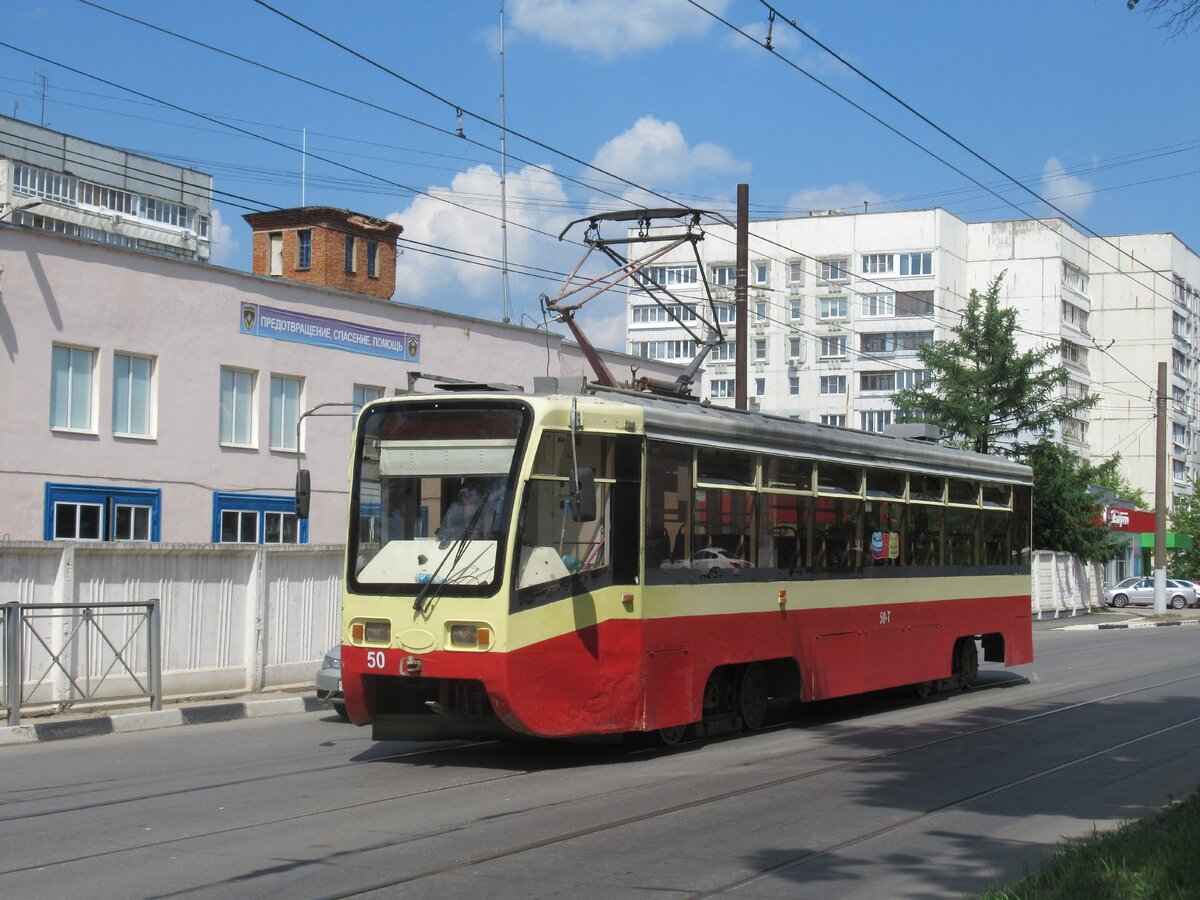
x=880, y=797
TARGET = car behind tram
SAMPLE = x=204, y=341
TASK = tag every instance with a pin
x=609, y=562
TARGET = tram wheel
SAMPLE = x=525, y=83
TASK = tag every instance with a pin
x=669, y=737
x=752, y=696
x=921, y=689
x=968, y=662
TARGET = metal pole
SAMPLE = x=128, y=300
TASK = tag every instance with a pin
x=1160, y=494
x=154, y=654
x=740, y=319
x=12, y=660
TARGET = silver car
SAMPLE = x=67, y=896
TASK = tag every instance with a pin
x=1140, y=591
x=329, y=681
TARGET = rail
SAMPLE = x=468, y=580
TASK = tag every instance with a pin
x=95, y=641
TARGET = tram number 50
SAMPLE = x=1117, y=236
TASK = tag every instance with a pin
x=376, y=659
x=885, y=617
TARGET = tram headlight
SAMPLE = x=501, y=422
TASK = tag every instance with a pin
x=372, y=632
x=478, y=637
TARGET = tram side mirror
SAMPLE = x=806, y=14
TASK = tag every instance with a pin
x=583, y=495
x=303, y=493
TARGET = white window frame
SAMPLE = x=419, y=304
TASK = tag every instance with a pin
x=722, y=388
x=60, y=509
x=833, y=347
x=834, y=268
x=795, y=348
x=795, y=272
x=875, y=420
x=760, y=350
x=242, y=517
x=923, y=260
x=837, y=420
x=137, y=512
x=843, y=304
x=833, y=385
x=287, y=400
x=878, y=263
x=878, y=306
x=124, y=395
x=79, y=403
x=242, y=411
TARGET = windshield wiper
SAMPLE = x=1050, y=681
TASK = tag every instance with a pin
x=459, y=547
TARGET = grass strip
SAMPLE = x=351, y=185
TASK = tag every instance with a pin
x=1146, y=859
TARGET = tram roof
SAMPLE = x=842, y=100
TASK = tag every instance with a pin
x=705, y=425
x=718, y=426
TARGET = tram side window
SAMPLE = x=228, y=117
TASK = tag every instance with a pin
x=668, y=503
x=961, y=544
x=837, y=537
x=784, y=531
x=925, y=535
x=883, y=533
x=1021, y=524
x=552, y=544
x=722, y=520
x=994, y=532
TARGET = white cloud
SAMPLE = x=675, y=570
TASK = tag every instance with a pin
x=535, y=200
x=1070, y=194
x=848, y=197
x=223, y=246
x=609, y=29
x=653, y=151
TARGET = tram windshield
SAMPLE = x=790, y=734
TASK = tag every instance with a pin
x=432, y=497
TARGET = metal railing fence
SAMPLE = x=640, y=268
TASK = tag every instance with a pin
x=86, y=644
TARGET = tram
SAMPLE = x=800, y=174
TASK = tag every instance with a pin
x=606, y=562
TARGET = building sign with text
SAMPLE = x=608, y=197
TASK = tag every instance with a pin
x=264, y=321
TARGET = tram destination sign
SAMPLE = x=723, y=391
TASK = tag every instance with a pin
x=281, y=325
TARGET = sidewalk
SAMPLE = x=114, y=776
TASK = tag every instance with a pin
x=1129, y=617
x=90, y=722
x=73, y=723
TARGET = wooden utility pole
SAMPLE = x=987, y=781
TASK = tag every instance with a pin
x=1160, y=494
x=740, y=318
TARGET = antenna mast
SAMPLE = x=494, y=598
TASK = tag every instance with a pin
x=503, y=181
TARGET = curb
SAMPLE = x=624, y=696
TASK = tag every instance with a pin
x=125, y=723
x=1105, y=626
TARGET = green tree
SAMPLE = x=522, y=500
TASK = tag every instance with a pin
x=1115, y=481
x=983, y=392
x=1185, y=519
x=1065, y=516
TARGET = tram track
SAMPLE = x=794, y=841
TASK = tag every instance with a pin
x=600, y=827
x=722, y=796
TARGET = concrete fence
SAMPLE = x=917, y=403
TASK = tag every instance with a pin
x=246, y=618
x=1065, y=586
x=233, y=618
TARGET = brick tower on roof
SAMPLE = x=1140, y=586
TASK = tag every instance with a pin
x=333, y=248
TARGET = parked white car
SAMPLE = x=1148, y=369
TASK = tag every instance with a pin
x=718, y=558
x=1140, y=592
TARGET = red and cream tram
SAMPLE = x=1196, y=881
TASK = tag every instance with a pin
x=611, y=562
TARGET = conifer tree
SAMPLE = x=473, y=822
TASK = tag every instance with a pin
x=981, y=390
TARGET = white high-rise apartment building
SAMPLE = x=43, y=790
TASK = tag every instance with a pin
x=838, y=306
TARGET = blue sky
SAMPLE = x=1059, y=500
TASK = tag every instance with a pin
x=1085, y=102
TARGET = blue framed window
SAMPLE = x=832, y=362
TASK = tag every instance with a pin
x=84, y=512
x=303, y=249
x=256, y=519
